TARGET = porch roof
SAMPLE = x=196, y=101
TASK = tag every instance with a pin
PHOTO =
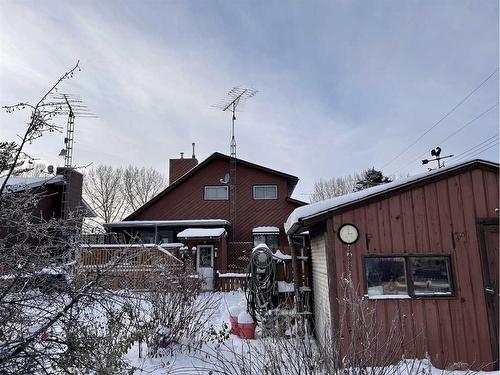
x=202, y=233
x=167, y=223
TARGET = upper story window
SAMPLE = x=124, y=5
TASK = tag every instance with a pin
x=216, y=193
x=408, y=276
x=265, y=192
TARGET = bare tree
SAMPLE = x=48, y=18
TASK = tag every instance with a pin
x=102, y=188
x=42, y=118
x=140, y=185
x=334, y=187
x=35, y=170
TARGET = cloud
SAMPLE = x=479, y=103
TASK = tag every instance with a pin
x=342, y=85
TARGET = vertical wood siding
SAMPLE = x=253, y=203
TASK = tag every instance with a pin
x=321, y=299
x=436, y=218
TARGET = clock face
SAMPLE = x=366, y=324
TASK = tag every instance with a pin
x=348, y=234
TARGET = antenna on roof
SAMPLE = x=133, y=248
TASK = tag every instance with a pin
x=75, y=107
x=436, y=153
x=235, y=96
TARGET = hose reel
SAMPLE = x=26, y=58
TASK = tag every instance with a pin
x=261, y=291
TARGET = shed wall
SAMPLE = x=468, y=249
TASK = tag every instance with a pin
x=321, y=299
x=436, y=218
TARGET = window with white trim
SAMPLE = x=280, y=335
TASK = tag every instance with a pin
x=265, y=192
x=408, y=276
x=216, y=193
x=269, y=239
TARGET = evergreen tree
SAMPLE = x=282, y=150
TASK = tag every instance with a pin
x=369, y=178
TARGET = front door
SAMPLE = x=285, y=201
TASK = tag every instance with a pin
x=489, y=254
x=205, y=265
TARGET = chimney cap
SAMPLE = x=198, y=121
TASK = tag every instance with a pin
x=182, y=155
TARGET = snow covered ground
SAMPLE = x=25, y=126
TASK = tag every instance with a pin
x=197, y=362
x=234, y=349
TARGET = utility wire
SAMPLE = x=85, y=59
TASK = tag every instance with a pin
x=487, y=140
x=442, y=118
x=479, y=150
x=452, y=134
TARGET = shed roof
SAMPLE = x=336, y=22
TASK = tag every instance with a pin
x=296, y=218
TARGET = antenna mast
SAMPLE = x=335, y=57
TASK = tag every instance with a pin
x=75, y=107
x=68, y=140
x=236, y=96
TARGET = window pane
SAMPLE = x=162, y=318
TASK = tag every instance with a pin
x=431, y=275
x=216, y=193
x=272, y=241
x=386, y=276
x=258, y=239
x=265, y=192
x=205, y=256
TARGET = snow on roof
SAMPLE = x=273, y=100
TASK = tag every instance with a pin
x=318, y=208
x=201, y=233
x=167, y=223
x=16, y=183
x=279, y=255
x=265, y=230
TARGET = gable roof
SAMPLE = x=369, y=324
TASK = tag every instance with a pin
x=318, y=209
x=292, y=180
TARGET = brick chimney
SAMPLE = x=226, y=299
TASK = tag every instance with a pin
x=179, y=167
x=74, y=182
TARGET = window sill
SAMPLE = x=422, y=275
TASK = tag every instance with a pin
x=388, y=296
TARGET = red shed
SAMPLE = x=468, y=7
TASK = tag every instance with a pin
x=427, y=252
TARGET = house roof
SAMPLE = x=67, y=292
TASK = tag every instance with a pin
x=167, y=223
x=295, y=221
x=17, y=183
x=20, y=183
x=292, y=180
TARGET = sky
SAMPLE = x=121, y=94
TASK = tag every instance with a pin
x=342, y=85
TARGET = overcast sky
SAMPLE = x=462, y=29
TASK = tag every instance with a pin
x=342, y=85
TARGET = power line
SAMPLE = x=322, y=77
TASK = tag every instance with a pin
x=487, y=140
x=479, y=151
x=442, y=118
x=452, y=134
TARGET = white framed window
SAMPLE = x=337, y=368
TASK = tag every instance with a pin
x=216, y=193
x=269, y=239
x=265, y=192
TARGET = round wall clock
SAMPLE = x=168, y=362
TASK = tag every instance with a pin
x=348, y=233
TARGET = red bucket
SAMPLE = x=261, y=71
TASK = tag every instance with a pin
x=235, y=329
x=247, y=330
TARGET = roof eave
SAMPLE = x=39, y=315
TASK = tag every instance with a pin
x=307, y=221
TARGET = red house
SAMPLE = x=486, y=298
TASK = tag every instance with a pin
x=194, y=211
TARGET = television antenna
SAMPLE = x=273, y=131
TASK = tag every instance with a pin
x=235, y=97
x=73, y=106
x=437, y=157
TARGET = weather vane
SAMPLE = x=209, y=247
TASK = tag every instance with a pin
x=436, y=153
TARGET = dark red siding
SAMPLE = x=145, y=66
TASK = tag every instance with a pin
x=186, y=201
x=436, y=218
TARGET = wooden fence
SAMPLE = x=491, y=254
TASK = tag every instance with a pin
x=230, y=282
x=135, y=267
